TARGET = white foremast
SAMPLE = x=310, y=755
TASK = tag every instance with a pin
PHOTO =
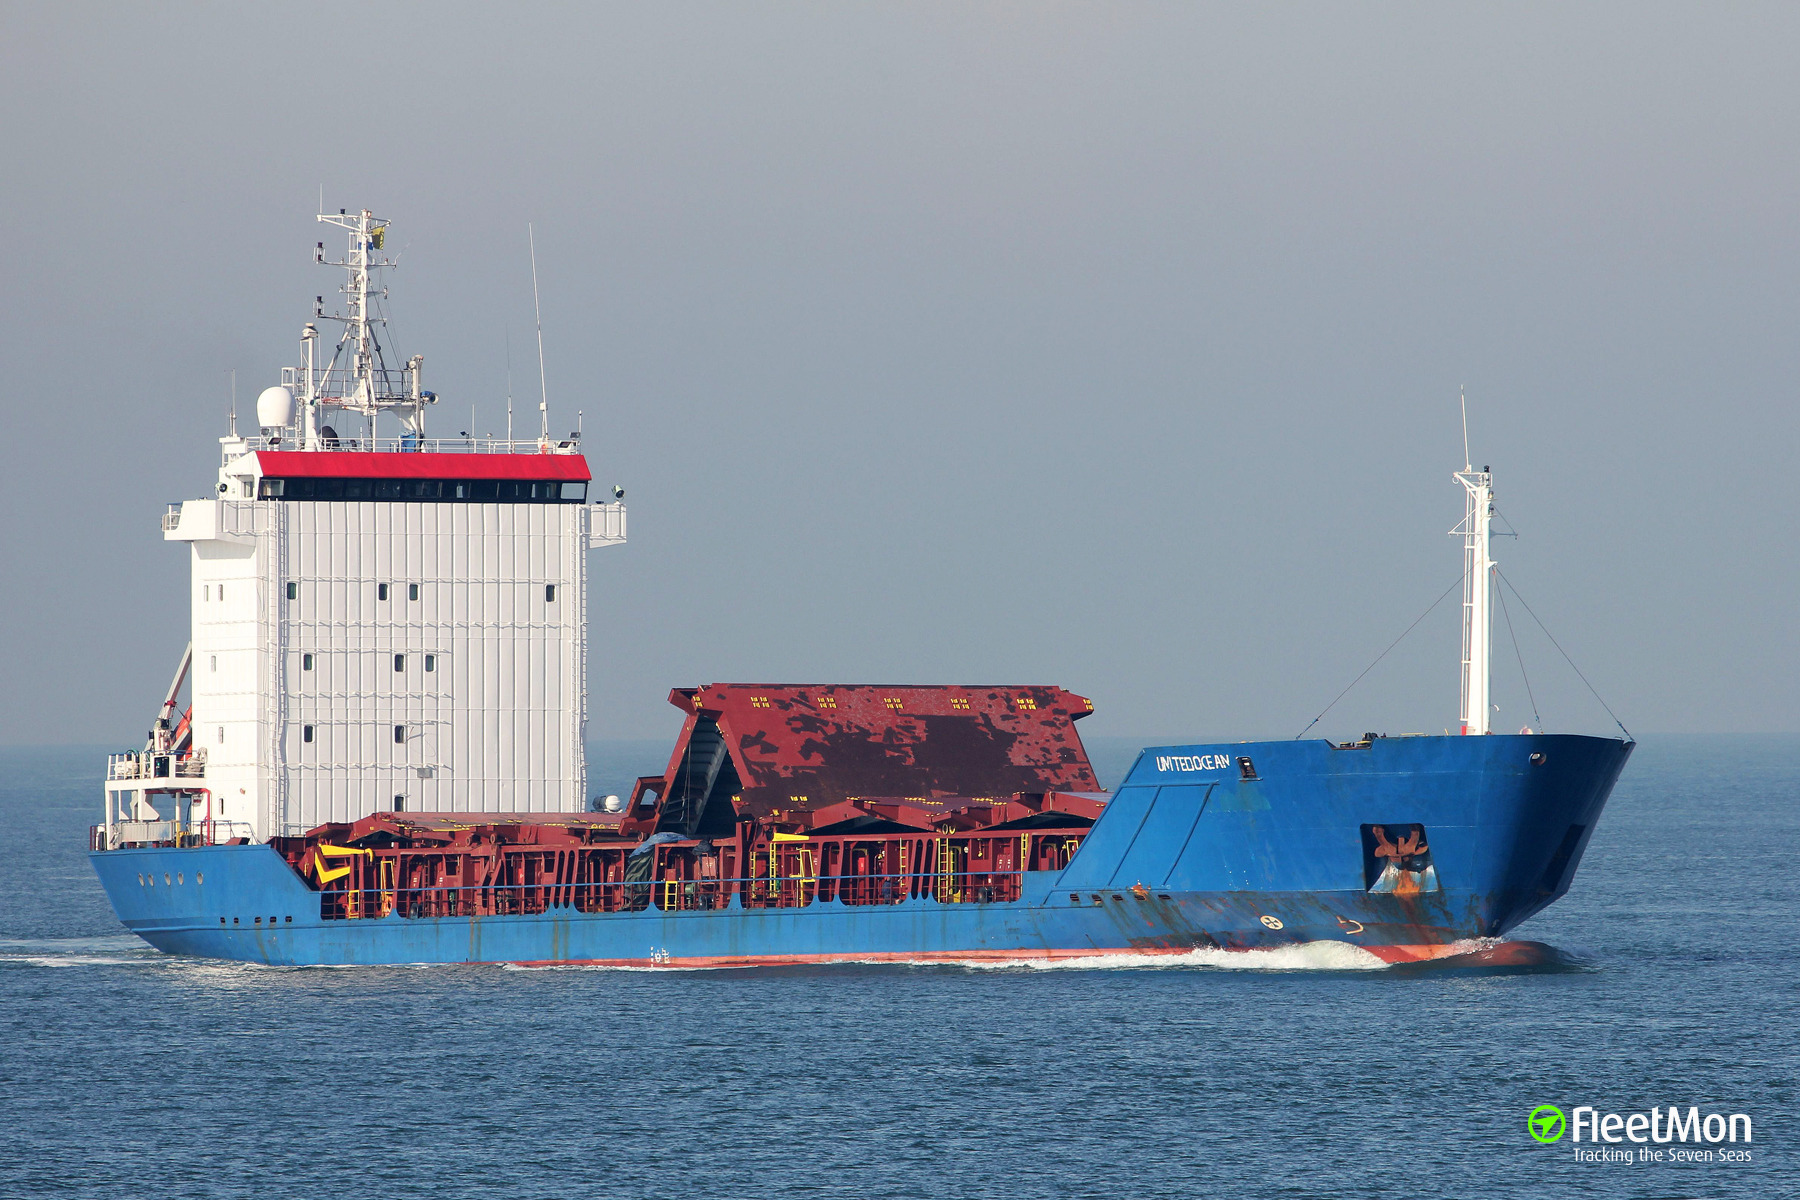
x=1478, y=591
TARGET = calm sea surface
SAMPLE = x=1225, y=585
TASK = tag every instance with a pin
x=127, y=1073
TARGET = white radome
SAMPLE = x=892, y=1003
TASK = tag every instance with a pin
x=275, y=408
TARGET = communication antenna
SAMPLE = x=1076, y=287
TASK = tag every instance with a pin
x=1468, y=463
x=232, y=411
x=509, y=383
x=543, y=383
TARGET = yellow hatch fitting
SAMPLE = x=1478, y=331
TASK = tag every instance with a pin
x=326, y=874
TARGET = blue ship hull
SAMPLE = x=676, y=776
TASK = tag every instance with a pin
x=1408, y=847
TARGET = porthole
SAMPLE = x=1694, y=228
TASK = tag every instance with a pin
x=221, y=920
x=140, y=879
x=381, y=591
x=151, y=880
x=306, y=662
x=550, y=592
x=199, y=879
x=290, y=920
x=178, y=878
x=165, y=879
x=259, y=920
x=293, y=591
x=234, y=920
x=412, y=591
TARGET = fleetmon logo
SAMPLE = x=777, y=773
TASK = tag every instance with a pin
x=1546, y=1123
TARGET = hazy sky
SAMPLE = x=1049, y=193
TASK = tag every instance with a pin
x=1112, y=346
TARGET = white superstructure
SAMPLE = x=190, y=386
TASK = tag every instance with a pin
x=378, y=623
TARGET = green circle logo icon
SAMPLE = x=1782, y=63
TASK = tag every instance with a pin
x=1546, y=1123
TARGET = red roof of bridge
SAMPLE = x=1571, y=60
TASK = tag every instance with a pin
x=355, y=464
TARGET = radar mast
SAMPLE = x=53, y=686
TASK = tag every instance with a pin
x=358, y=378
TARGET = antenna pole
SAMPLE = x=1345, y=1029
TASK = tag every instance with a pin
x=543, y=382
x=509, y=386
x=233, y=409
x=1468, y=465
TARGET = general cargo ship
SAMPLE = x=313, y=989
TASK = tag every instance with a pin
x=380, y=759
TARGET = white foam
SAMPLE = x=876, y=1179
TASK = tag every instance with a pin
x=114, y=951
x=1301, y=956
x=70, y=960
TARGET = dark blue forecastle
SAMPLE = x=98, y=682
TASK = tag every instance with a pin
x=1404, y=846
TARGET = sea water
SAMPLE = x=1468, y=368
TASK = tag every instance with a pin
x=1307, y=1072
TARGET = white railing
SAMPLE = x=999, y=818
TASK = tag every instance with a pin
x=340, y=385
x=171, y=517
x=406, y=445
x=607, y=524
x=122, y=834
x=156, y=766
